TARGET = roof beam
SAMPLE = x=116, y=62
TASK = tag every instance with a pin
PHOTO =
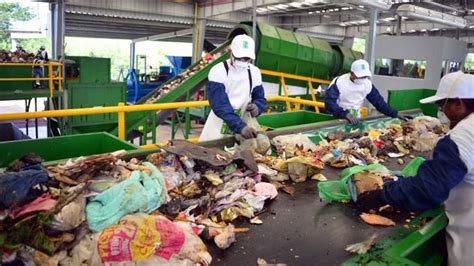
x=235, y=5
x=164, y=36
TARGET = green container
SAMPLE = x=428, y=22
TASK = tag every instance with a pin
x=414, y=245
x=91, y=69
x=358, y=55
x=291, y=119
x=323, y=57
x=64, y=147
x=84, y=95
x=345, y=59
x=406, y=99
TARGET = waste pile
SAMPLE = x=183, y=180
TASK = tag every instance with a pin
x=175, y=82
x=16, y=57
x=160, y=209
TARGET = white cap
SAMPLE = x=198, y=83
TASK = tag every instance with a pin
x=361, y=68
x=243, y=46
x=453, y=85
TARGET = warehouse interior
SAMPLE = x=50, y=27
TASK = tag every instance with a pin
x=128, y=136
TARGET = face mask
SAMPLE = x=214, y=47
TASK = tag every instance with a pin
x=359, y=81
x=241, y=66
x=443, y=118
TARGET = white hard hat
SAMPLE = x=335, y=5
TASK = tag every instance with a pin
x=243, y=46
x=453, y=85
x=361, y=68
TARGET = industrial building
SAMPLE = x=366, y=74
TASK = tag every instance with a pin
x=231, y=132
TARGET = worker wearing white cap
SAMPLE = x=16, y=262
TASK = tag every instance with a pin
x=346, y=94
x=235, y=85
x=449, y=176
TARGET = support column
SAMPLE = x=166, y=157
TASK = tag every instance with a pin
x=254, y=20
x=199, y=31
x=399, y=25
x=60, y=30
x=53, y=30
x=132, y=55
x=370, y=44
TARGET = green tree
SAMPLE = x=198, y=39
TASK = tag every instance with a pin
x=10, y=12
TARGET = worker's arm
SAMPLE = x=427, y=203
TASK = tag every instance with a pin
x=379, y=103
x=431, y=185
x=330, y=101
x=219, y=101
x=258, y=93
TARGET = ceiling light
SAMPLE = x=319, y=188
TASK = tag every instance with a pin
x=281, y=6
x=422, y=13
x=389, y=29
x=361, y=6
x=412, y=31
x=323, y=11
x=326, y=16
x=336, y=9
x=423, y=30
x=342, y=24
x=434, y=29
x=471, y=27
x=310, y=12
x=330, y=10
x=390, y=19
x=345, y=8
x=363, y=21
x=296, y=4
x=272, y=8
x=317, y=12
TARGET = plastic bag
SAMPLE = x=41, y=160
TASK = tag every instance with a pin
x=260, y=144
x=338, y=190
x=139, y=193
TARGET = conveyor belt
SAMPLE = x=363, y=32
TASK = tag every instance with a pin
x=302, y=230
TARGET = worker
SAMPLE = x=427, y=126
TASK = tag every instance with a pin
x=234, y=85
x=448, y=177
x=38, y=70
x=346, y=94
x=19, y=49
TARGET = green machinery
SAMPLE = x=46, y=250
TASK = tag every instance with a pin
x=88, y=84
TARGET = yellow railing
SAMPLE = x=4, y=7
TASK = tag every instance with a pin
x=50, y=77
x=121, y=109
x=284, y=76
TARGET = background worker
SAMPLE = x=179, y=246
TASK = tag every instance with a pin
x=448, y=177
x=38, y=71
x=346, y=94
x=234, y=85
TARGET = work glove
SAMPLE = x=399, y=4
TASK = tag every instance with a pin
x=253, y=109
x=404, y=117
x=352, y=119
x=248, y=132
x=371, y=200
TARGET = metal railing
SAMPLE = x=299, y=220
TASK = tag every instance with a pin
x=50, y=78
x=121, y=109
x=284, y=76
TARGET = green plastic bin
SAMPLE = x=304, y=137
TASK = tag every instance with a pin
x=64, y=147
x=291, y=119
x=406, y=99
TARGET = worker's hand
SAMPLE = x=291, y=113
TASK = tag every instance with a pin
x=253, y=109
x=370, y=200
x=404, y=117
x=352, y=119
x=248, y=132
